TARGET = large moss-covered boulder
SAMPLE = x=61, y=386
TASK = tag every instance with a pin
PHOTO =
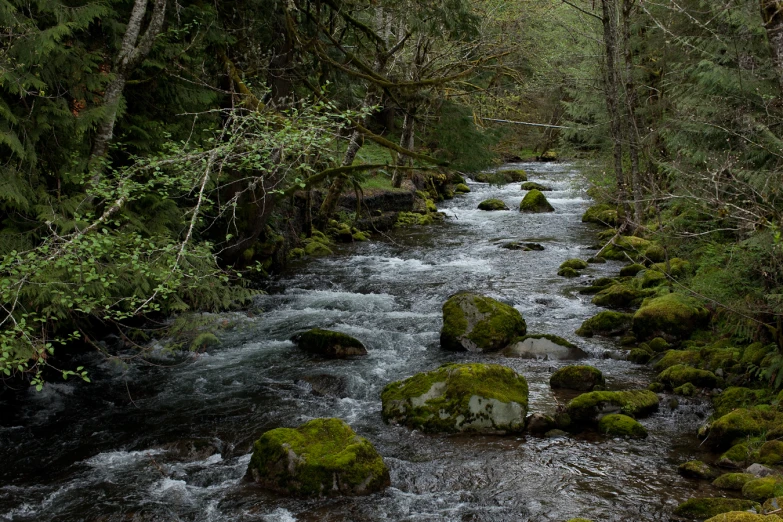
x=631, y=270
x=679, y=374
x=669, y=316
x=744, y=516
x=532, y=185
x=500, y=177
x=602, y=214
x=577, y=377
x=329, y=343
x=544, y=346
x=474, y=398
x=620, y=295
x=535, y=201
x=590, y=406
x=618, y=425
x=492, y=204
x=696, y=469
x=761, y=489
x=701, y=508
x=771, y=453
x=575, y=263
x=732, y=481
x=624, y=247
x=736, y=397
x=675, y=357
x=476, y=323
x=605, y=323
x=739, y=424
x=323, y=457
x=461, y=188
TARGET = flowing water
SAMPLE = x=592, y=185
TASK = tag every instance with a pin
x=170, y=439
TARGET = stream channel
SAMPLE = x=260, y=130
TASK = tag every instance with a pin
x=170, y=441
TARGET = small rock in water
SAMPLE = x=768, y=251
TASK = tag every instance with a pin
x=335, y=345
x=760, y=470
x=538, y=424
x=548, y=347
x=555, y=434
x=324, y=384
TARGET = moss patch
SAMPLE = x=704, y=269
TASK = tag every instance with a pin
x=737, y=397
x=696, y=469
x=577, y=377
x=631, y=270
x=617, y=425
x=601, y=214
x=588, y=406
x=461, y=188
x=744, y=516
x=761, y=489
x=323, y=457
x=677, y=357
x=701, y=508
x=576, y=264
x=532, y=185
x=329, y=343
x=624, y=247
x=740, y=424
x=535, y=201
x=732, y=481
x=606, y=323
x=567, y=272
x=492, y=204
x=483, y=398
x=671, y=315
x=620, y=296
x=680, y=374
x=478, y=323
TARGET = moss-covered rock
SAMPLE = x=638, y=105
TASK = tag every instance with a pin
x=618, y=425
x=492, y=204
x=755, y=353
x=577, y=377
x=686, y=390
x=544, y=346
x=732, y=481
x=500, y=177
x=538, y=423
x=640, y=355
x=329, y=343
x=656, y=274
x=738, y=424
x=771, y=453
x=323, y=457
x=478, y=398
x=669, y=316
x=576, y=264
x=761, y=489
x=514, y=175
x=631, y=270
x=680, y=374
x=535, y=201
x=624, y=247
x=601, y=214
x=532, y=185
x=525, y=247
x=620, y=295
x=738, y=456
x=589, y=406
x=477, y=323
x=701, y=508
x=655, y=254
x=736, y=397
x=567, y=272
x=658, y=345
x=317, y=249
x=461, y=188
x=677, y=357
x=606, y=323
x=696, y=469
x=744, y=516
x=774, y=504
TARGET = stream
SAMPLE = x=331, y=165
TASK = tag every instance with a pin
x=168, y=439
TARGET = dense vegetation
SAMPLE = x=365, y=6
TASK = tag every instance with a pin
x=151, y=149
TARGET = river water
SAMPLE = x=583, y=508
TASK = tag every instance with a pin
x=163, y=440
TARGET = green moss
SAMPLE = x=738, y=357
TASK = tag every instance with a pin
x=679, y=374
x=567, y=272
x=501, y=176
x=605, y=323
x=535, y=201
x=739, y=455
x=713, y=358
x=640, y=355
x=360, y=236
x=461, y=188
x=492, y=204
x=696, y=469
x=686, y=390
x=443, y=400
x=701, y=508
x=620, y=296
x=761, y=489
x=659, y=345
x=626, y=246
x=673, y=314
x=329, y=343
x=327, y=452
x=317, y=249
x=616, y=425
x=478, y=323
x=732, y=481
x=204, y=340
x=744, y=516
x=755, y=353
x=532, y=185
x=407, y=219
x=576, y=264
x=656, y=274
x=736, y=397
x=296, y=253
x=577, y=377
x=602, y=214
x=655, y=254
x=635, y=403
x=514, y=175
x=771, y=453
x=631, y=270
x=739, y=424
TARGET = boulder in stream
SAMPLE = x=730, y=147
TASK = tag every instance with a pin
x=606, y=323
x=532, y=185
x=544, y=346
x=492, y=204
x=701, y=508
x=743, y=516
x=619, y=425
x=577, y=377
x=461, y=188
x=473, y=398
x=535, y=201
x=696, y=469
x=732, y=481
x=760, y=489
x=335, y=345
x=476, y=323
x=671, y=316
x=679, y=374
x=620, y=295
x=588, y=407
x=323, y=457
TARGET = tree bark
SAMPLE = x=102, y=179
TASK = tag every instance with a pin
x=772, y=14
x=338, y=184
x=406, y=142
x=132, y=52
x=632, y=103
x=612, y=91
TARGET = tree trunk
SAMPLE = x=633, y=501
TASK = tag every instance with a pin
x=772, y=14
x=406, y=142
x=336, y=189
x=632, y=102
x=611, y=90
